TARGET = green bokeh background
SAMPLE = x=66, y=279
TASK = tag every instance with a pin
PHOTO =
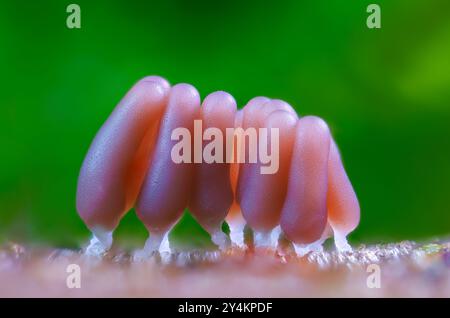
x=385, y=93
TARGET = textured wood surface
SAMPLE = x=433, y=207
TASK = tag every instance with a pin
x=406, y=269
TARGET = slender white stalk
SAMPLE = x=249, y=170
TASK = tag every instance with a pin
x=100, y=243
x=261, y=239
x=275, y=236
x=220, y=239
x=154, y=244
x=237, y=226
x=303, y=249
x=340, y=241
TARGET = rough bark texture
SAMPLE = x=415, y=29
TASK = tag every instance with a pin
x=407, y=269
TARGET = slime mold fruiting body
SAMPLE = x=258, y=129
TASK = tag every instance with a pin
x=212, y=195
x=164, y=194
x=115, y=165
x=307, y=197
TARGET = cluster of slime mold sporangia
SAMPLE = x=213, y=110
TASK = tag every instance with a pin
x=307, y=198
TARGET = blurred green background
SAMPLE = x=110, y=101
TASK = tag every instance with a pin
x=385, y=94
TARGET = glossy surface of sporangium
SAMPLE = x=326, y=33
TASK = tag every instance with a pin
x=304, y=214
x=166, y=189
x=262, y=195
x=212, y=195
x=113, y=168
